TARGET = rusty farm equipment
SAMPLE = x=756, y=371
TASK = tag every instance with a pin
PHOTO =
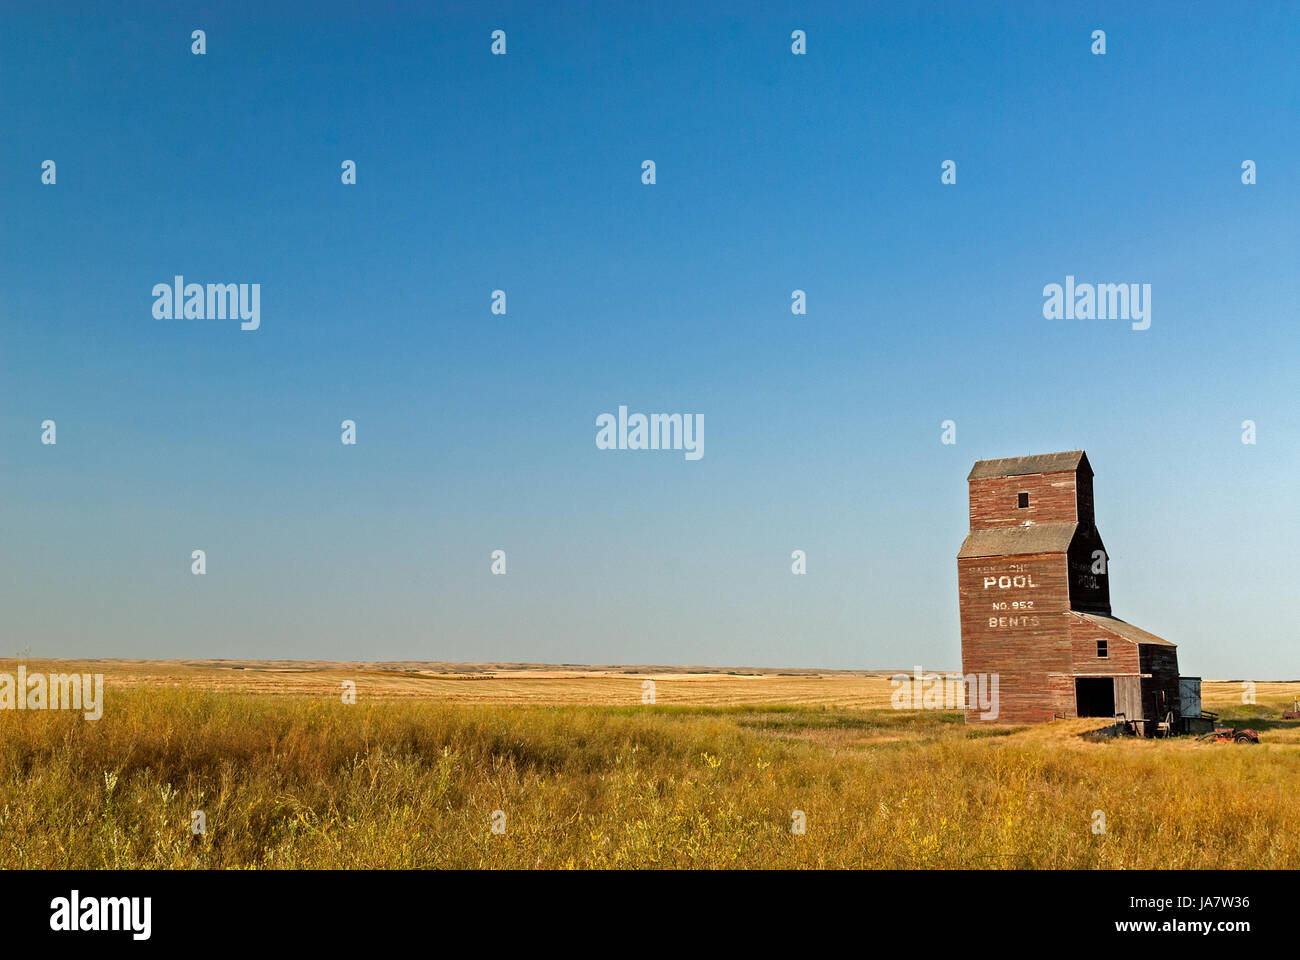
x=1223, y=733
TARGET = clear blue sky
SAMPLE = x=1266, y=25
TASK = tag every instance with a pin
x=476, y=432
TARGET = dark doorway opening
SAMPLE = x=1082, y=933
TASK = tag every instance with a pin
x=1094, y=696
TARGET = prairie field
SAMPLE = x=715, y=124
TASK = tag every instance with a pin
x=577, y=772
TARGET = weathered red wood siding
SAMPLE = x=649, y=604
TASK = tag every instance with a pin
x=1121, y=655
x=1052, y=499
x=1016, y=631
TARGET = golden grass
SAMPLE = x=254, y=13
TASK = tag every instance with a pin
x=296, y=780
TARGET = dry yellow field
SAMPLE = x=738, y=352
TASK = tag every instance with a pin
x=582, y=774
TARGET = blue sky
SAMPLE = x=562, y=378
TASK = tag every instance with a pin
x=476, y=432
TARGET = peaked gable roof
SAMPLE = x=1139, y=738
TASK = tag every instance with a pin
x=1037, y=463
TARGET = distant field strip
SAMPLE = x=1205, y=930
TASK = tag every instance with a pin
x=541, y=684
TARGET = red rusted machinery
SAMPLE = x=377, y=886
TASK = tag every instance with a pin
x=1219, y=732
x=1222, y=734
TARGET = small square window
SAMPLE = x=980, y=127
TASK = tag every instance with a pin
x=1101, y=649
x=1022, y=500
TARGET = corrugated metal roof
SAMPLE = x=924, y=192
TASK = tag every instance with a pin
x=1022, y=466
x=1017, y=541
x=1125, y=630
